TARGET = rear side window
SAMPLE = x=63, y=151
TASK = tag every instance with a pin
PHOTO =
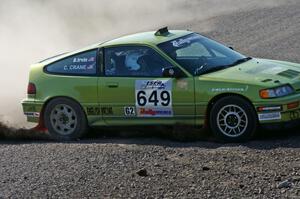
x=79, y=64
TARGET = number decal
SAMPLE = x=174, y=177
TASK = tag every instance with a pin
x=154, y=98
x=164, y=99
x=129, y=111
x=165, y=96
x=141, y=98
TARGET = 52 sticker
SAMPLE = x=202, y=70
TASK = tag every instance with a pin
x=153, y=98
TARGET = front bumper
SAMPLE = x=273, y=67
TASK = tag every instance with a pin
x=281, y=125
x=286, y=113
x=279, y=116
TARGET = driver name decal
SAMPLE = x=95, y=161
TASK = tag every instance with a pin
x=153, y=98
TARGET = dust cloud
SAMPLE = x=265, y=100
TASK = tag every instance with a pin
x=31, y=30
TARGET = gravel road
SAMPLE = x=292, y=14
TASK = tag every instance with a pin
x=152, y=166
x=140, y=167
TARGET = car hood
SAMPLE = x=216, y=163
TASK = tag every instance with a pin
x=261, y=72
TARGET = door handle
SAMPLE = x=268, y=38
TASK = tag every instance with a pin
x=112, y=84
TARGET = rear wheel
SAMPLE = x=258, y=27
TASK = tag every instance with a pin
x=233, y=119
x=65, y=119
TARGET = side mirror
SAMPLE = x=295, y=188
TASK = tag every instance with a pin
x=173, y=72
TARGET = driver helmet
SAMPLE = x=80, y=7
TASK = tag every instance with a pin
x=131, y=60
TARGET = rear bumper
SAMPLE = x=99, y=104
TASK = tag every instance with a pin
x=32, y=110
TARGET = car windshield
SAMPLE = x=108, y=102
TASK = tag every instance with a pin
x=200, y=55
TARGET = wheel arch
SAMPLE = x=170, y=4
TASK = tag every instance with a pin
x=41, y=124
x=217, y=98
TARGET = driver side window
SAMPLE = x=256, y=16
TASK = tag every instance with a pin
x=133, y=61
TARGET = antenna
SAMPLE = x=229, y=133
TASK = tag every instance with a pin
x=162, y=32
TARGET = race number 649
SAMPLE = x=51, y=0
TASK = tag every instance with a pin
x=155, y=98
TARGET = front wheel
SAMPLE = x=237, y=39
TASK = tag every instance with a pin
x=233, y=119
x=65, y=119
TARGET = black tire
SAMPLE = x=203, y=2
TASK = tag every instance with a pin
x=233, y=119
x=63, y=124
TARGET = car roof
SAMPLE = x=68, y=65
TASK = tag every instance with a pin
x=146, y=38
x=139, y=38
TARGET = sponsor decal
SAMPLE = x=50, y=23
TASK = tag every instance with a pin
x=229, y=89
x=180, y=42
x=81, y=63
x=154, y=112
x=107, y=111
x=80, y=59
x=269, y=108
x=129, y=111
x=32, y=114
x=93, y=110
x=83, y=59
x=269, y=116
x=153, y=98
x=294, y=115
x=153, y=84
x=98, y=111
x=182, y=84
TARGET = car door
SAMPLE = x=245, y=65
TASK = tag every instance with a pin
x=132, y=89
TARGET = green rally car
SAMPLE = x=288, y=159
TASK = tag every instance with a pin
x=162, y=78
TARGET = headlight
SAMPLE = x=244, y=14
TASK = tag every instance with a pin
x=276, y=92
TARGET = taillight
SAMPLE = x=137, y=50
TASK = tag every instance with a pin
x=31, y=89
x=292, y=105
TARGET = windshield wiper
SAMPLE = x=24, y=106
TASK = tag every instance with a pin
x=239, y=61
x=214, y=69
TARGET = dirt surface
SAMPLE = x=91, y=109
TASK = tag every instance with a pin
x=150, y=165
x=108, y=165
